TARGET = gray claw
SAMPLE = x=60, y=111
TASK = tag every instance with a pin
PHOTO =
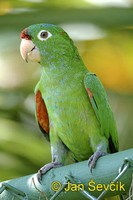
x=46, y=168
x=93, y=159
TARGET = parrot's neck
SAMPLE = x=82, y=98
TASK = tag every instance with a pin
x=65, y=66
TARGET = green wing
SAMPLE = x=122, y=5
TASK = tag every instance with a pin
x=100, y=104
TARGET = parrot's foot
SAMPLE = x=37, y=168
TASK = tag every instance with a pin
x=46, y=168
x=93, y=159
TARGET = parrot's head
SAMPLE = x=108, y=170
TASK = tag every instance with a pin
x=45, y=43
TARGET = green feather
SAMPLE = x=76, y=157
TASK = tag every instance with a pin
x=102, y=108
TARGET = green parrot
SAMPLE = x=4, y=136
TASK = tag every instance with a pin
x=72, y=109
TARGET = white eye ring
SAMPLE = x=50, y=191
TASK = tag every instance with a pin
x=44, y=35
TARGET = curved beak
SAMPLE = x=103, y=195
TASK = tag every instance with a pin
x=25, y=47
x=29, y=51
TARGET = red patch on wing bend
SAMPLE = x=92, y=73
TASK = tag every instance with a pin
x=41, y=110
x=90, y=94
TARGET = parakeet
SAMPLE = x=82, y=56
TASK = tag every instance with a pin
x=72, y=109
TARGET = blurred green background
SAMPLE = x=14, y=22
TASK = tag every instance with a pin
x=102, y=31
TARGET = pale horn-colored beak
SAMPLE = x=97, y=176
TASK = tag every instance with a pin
x=29, y=51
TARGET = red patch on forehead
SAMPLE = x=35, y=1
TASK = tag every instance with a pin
x=62, y=33
x=24, y=34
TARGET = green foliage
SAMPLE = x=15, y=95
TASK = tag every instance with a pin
x=22, y=150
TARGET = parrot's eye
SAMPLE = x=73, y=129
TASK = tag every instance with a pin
x=44, y=35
